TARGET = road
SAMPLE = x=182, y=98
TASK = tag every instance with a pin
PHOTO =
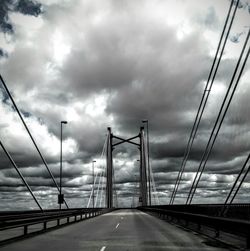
x=118, y=230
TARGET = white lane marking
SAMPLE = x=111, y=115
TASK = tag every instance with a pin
x=117, y=225
x=103, y=248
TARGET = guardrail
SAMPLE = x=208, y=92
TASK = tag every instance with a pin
x=236, y=210
x=233, y=226
x=14, y=226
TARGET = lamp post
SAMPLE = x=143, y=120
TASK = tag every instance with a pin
x=93, y=173
x=60, y=196
x=149, y=175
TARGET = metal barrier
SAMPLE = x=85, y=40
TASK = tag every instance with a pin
x=233, y=226
x=27, y=220
x=236, y=211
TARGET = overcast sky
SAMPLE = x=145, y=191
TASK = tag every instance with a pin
x=113, y=63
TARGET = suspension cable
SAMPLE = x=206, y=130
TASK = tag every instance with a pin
x=92, y=191
x=223, y=211
x=213, y=137
x=115, y=190
x=155, y=192
x=91, y=194
x=204, y=99
x=20, y=174
x=239, y=186
x=153, y=182
x=98, y=187
x=101, y=173
x=102, y=188
x=237, y=179
x=27, y=129
x=102, y=181
x=135, y=193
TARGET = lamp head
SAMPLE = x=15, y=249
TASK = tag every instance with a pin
x=64, y=122
x=144, y=121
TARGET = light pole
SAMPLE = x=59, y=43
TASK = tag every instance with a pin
x=149, y=175
x=93, y=173
x=60, y=196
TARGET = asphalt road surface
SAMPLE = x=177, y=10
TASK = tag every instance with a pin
x=118, y=230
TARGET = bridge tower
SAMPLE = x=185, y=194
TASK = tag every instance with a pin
x=109, y=161
x=143, y=168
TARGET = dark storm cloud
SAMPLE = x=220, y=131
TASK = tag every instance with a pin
x=3, y=53
x=236, y=38
x=5, y=24
x=155, y=87
x=130, y=55
x=165, y=165
x=242, y=3
x=111, y=60
x=5, y=99
x=31, y=159
x=11, y=182
x=26, y=7
x=174, y=149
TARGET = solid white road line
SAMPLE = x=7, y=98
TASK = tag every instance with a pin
x=103, y=248
x=117, y=225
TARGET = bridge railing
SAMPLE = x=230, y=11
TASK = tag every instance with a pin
x=236, y=211
x=16, y=225
x=234, y=226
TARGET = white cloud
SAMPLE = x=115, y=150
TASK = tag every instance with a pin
x=112, y=64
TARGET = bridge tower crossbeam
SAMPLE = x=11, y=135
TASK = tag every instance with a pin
x=109, y=162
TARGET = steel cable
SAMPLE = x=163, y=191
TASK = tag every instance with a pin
x=33, y=140
x=209, y=148
x=204, y=99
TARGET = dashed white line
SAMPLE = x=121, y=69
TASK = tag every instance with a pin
x=103, y=248
x=117, y=225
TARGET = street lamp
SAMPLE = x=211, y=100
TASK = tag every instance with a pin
x=93, y=173
x=61, y=196
x=149, y=190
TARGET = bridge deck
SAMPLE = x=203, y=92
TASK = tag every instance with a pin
x=119, y=230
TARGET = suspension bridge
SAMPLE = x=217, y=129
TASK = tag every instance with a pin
x=147, y=225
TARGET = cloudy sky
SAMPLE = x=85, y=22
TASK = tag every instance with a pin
x=113, y=63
